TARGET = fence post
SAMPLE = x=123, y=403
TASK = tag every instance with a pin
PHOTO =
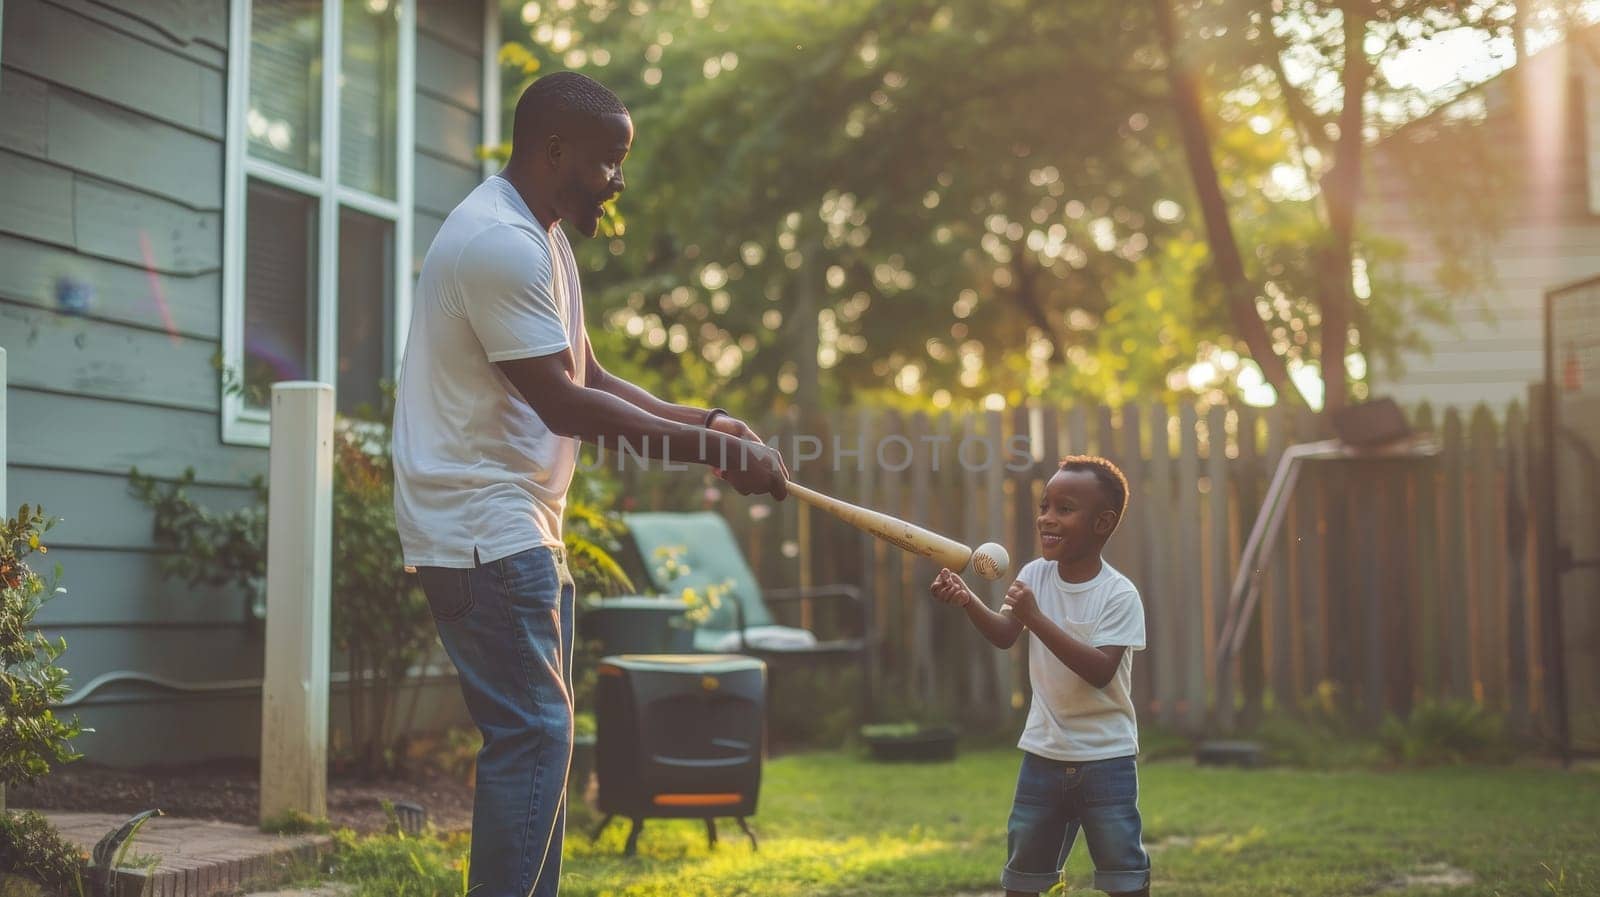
x=1221, y=553
x=294, y=698
x=1516, y=523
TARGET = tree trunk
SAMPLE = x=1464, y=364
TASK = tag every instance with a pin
x=808, y=288
x=1341, y=192
x=1025, y=293
x=1240, y=292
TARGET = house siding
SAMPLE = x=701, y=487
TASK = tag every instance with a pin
x=111, y=168
x=1493, y=346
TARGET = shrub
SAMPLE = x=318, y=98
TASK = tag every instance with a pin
x=380, y=616
x=1320, y=734
x=1446, y=732
x=32, y=737
x=32, y=848
x=592, y=536
x=208, y=548
x=816, y=706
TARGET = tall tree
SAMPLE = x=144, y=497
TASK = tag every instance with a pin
x=1322, y=63
x=950, y=198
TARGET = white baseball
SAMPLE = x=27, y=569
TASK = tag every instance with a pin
x=991, y=561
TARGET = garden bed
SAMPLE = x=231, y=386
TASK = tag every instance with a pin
x=228, y=791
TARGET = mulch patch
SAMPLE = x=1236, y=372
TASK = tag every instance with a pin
x=228, y=791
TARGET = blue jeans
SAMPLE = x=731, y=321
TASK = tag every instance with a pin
x=507, y=625
x=1054, y=800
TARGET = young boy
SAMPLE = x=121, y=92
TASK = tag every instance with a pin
x=1078, y=767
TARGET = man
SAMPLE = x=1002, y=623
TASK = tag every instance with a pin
x=498, y=386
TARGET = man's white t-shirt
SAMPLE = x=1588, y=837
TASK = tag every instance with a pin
x=1070, y=719
x=478, y=476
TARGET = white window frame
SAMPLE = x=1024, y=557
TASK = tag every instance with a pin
x=242, y=425
x=490, y=107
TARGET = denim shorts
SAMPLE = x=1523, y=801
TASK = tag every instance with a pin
x=1057, y=798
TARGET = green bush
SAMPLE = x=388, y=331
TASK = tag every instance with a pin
x=381, y=619
x=814, y=707
x=1320, y=734
x=1324, y=734
x=32, y=848
x=593, y=536
x=32, y=737
x=207, y=548
x=1446, y=732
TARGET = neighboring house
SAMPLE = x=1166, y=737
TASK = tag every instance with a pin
x=1550, y=234
x=188, y=180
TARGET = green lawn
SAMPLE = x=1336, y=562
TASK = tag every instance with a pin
x=832, y=824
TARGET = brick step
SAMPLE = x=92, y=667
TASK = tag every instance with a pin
x=193, y=857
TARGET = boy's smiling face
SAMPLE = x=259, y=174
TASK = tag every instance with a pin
x=1075, y=516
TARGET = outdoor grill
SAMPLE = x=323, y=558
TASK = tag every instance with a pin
x=680, y=737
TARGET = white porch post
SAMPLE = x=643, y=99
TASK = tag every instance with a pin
x=294, y=696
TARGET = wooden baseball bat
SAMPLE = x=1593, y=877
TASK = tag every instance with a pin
x=945, y=552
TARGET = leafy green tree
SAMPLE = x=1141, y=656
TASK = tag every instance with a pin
x=869, y=195
x=951, y=198
x=1309, y=76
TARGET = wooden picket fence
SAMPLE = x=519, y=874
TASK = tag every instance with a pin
x=1394, y=581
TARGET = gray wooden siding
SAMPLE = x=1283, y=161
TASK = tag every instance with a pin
x=449, y=113
x=84, y=53
x=111, y=165
x=35, y=273
x=201, y=727
x=110, y=308
x=1494, y=345
x=98, y=512
x=96, y=358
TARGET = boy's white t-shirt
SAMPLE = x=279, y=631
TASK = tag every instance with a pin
x=478, y=476
x=1070, y=719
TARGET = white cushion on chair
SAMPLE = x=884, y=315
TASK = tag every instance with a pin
x=762, y=638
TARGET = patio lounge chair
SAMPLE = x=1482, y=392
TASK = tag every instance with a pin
x=743, y=622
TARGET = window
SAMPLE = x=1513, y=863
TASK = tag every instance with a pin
x=317, y=221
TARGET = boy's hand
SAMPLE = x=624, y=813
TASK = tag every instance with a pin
x=1020, y=603
x=948, y=588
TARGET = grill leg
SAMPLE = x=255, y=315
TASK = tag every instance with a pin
x=711, y=832
x=633, y=837
x=745, y=827
x=595, y=836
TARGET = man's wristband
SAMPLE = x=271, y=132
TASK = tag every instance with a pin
x=712, y=415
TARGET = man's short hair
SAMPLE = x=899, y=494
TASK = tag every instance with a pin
x=555, y=96
x=1113, y=484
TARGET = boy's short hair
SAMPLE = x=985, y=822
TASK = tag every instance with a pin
x=1113, y=483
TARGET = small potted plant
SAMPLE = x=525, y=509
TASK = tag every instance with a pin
x=653, y=624
x=910, y=742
